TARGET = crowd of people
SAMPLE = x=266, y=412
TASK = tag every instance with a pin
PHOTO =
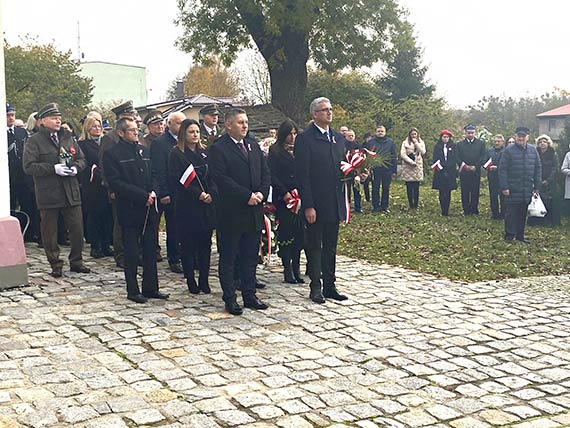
x=204, y=178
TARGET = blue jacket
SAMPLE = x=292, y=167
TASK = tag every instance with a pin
x=385, y=146
x=520, y=172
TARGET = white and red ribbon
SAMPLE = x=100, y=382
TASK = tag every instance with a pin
x=94, y=168
x=437, y=166
x=462, y=167
x=268, y=234
x=294, y=204
x=353, y=160
x=488, y=164
x=346, y=203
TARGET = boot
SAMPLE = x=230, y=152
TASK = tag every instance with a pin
x=316, y=294
x=192, y=286
x=330, y=292
x=296, y=267
x=203, y=282
x=96, y=252
x=285, y=254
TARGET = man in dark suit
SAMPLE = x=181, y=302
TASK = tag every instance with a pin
x=129, y=173
x=21, y=184
x=209, y=129
x=318, y=153
x=241, y=173
x=159, y=154
x=471, y=155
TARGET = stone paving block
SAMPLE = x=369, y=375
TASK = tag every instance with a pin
x=416, y=418
x=468, y=422
x=77, y=414
x=234, y=417
x=199, y=421
x=267, y=411
x=497, y=417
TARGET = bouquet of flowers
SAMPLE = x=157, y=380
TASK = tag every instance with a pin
x=67, y=156
x=360, y=162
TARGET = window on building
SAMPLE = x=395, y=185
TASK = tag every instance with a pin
x=551, y=125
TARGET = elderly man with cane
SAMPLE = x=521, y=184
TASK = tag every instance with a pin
x=128, y=172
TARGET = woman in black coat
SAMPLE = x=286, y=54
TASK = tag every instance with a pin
x=94, y=195
x=291, y=228
x=193, y=204
x=549, y=189
x=445, y=172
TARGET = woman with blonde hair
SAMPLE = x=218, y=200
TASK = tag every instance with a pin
x=94, y=195
x=412, y=152
x=193, y=194
x=549, y=188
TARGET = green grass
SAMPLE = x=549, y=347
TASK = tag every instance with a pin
x=456, y=247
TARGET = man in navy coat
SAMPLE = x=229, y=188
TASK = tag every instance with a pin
x=240, y=171
x=318, y=153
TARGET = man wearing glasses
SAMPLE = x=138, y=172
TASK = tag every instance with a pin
x=129, y=173
x=318, y=153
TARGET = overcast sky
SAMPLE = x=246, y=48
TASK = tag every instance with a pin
x=490, y=47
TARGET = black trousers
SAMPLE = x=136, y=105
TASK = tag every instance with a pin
x=321, y=239
x=23, y=197
x=413, y=191
x=100, y=226
x=195, y=251
x=515, y=221
x=444, y=201
x=230, y=244
x=131, y=238
x=383, y=178
x=470, y=186
x=497, y=199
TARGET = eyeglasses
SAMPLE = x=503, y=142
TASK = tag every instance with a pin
x=325, y=109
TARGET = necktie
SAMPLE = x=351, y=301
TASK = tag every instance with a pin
x=213, y=132
x=11, y=131
x=54, y=138
x=327, y=135
x=243, y=150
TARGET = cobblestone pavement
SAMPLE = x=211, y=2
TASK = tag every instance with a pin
x=406, y=350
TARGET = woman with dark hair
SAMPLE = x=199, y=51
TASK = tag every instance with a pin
x=412, y=152
x=290, y=231
x=96, y=205
x=193, y=194
x=445, y=169
x=549, y=188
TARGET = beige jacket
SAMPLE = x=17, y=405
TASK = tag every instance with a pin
x=413, y=167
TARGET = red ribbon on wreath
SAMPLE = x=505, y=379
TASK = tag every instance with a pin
x=294, y=204
x=354, y=159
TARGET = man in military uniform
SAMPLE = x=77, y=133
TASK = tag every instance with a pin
x=124, y=110
x=54, y=159
x=154, y=123
x=209, y=129
x=471, y=155
x=21, y=184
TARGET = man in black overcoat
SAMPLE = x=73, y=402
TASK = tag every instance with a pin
x=241, y=173
x=471, y=155
x=129, y=173
x=21, y=184
x=318, y=153
x=159, y=154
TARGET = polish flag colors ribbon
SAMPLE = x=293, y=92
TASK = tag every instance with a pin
x=188, y=176
x=462, y=167
x=354, y=160
x=294, y=204
x=94, y=168
x=437, y=166
x=488, y=164
x=268, y=235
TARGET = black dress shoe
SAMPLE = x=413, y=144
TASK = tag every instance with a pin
x=157, y=295
x=316, y=295
x=330, y=292
x=234, y=308
x=56, y=272
x=176, y=268
x=80, y=269
x=204, y=285
x=192, y=286
x=108, y=252
x=254, y=303
x=137, y=298
x=259, y=285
